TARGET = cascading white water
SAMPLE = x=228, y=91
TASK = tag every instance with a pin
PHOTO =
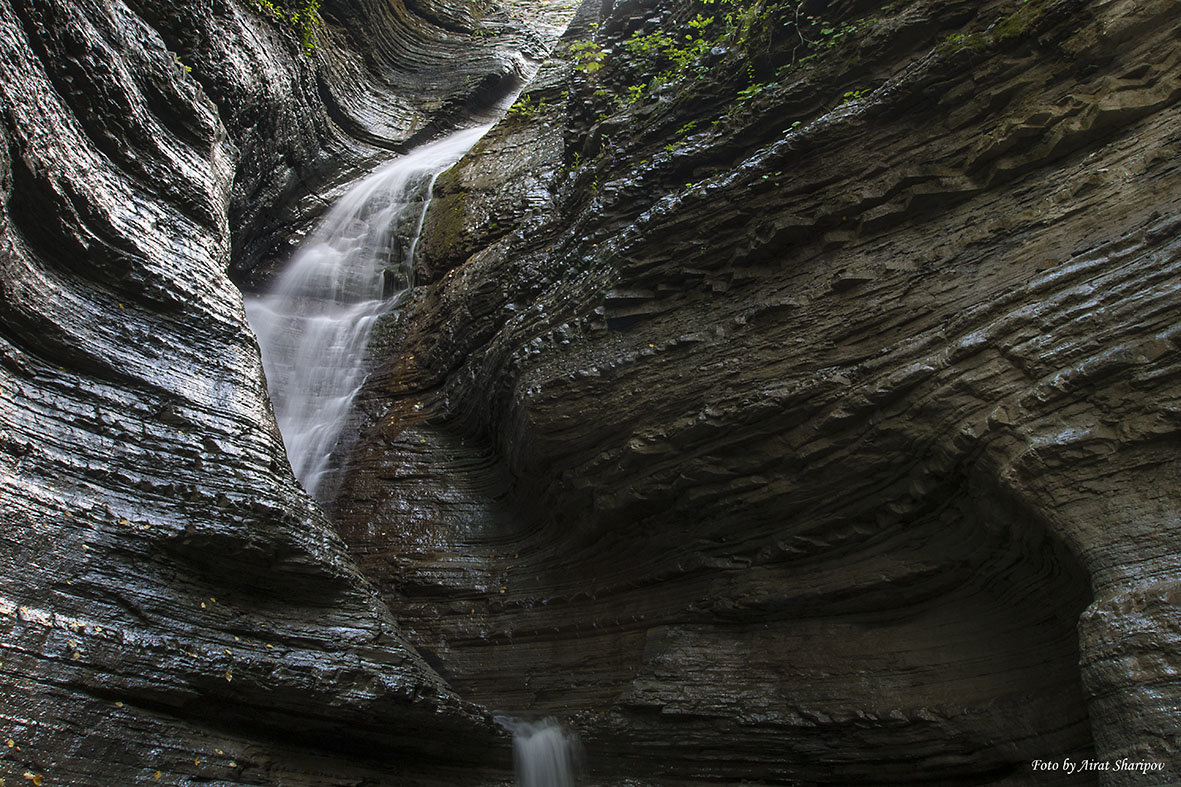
x=313, y=325
x=544, y=755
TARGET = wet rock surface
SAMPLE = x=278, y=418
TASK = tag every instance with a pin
x=830, y=442
x=833, y=442
x=173, y=607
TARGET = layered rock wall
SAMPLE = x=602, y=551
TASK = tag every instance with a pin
x=173, y=606
x=810, y=416
x=798, y=408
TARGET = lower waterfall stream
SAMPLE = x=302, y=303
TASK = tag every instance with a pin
x=313, y=324
x=544, y=755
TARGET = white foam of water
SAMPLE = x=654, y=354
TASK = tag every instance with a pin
x=313, y=324
x=544, y=755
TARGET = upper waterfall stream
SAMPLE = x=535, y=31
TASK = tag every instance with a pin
x=313, y=324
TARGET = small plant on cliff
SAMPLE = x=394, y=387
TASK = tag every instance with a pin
x=587, y=55
x=525, y=107
x=301, y=16
x=853, y=95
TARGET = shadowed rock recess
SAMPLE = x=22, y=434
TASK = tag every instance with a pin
x=790, y=394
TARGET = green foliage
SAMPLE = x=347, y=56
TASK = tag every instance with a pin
x=662, y=54
x=743, y=27
x=301, y=16
x=749, y=92
x=681, y=133
x=524, y=107
x=587, y=55
x=749, y=44
x=635, y=93
x=817, y=36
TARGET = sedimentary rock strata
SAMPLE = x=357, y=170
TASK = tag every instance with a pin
x=174, y=607
x=830, y=441
x=802, y=410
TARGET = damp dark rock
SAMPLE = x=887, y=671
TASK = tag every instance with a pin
x=803, y=409
x=810, y=419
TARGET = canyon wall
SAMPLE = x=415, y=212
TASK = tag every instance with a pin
x=802, y=405
x=790, y=394
x=174, y=608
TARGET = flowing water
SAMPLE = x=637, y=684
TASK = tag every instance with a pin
x=544, y=755
x=313, y=325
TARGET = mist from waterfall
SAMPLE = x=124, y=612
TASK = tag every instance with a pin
x=314, y=323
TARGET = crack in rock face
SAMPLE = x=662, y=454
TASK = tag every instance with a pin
x=788, y=394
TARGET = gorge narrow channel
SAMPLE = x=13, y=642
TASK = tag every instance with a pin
x=313, y=326
x=313, y=323
x=787, y=392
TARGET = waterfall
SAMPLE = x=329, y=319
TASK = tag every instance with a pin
x=313, y=324
x=543, y=754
